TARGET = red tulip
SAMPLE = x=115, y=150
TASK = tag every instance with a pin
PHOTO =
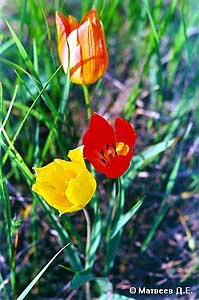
x=82, y=47
x=109, y=151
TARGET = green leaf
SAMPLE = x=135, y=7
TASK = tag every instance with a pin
x=124, y=218
x=96, y=231
x=72, y=270
x=112, y=244
x=145, y=158
x=15, y=225
x=10, y=108
x=19, y=68
x=4, y=291
x=103, y=285
x=6, y=45
x=50, y=104
x=81, y=278
x=6, y=207
x=169, y=187
x=110, y=13
x=34, y=281
x=65, y=95
x=21, y=49
x=164, y=206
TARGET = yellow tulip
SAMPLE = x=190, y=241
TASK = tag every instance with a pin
x=66, y=185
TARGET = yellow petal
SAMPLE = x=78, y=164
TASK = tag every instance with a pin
x=81, y=189
x=66, y=185
x=68, y=169
x=52, y=181
x=54, y=197
x=56, y=172
x=76, y=155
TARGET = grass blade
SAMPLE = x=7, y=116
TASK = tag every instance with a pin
x=112, y=244
x=81, y=278
x=124, y=218
x=164, y=206
x=145, y=158
x=9, y=109
x=29, y=111
x=5, y=201
x=22, y=50
x=96, y=232
x=34, y=281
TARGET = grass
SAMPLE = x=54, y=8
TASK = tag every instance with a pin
x=152, y=81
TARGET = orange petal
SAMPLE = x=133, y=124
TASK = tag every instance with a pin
x=82, y=48
x=92, y=16
x=64, y=27
x=88, y=59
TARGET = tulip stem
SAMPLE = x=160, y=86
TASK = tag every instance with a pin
x=88, y=244
x=118, y=195
x=114, y=219
x=88, y=240
x=87, y=101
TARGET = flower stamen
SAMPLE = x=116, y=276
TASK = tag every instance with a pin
x=122, y=149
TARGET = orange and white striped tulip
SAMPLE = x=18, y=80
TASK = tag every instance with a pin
x=82, y=47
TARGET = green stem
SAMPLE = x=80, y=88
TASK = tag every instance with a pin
x=18, y=156
x=70, y=229
x=87, y=101
x=115, y=214
x=115, y=206
x=88, y=240
x=88, y=244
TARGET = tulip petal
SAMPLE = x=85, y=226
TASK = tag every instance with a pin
x=124, y=132
x=64, y=27
x=59, y=183
x=54, y=197
x=81, y=189
x=109, y=152
x=58, y=167
x=52, y=181
x=82, y=47
x=88, y=58
x=117, y=166
x=99, y=134
x=92, y=16
x=76, y=155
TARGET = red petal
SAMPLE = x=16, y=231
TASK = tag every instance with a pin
x=117, y=166
x=99, y=134
x=125, y=132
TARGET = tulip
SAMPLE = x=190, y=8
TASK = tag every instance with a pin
x=66, y=185
x=82, y=47
x=109, y=151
